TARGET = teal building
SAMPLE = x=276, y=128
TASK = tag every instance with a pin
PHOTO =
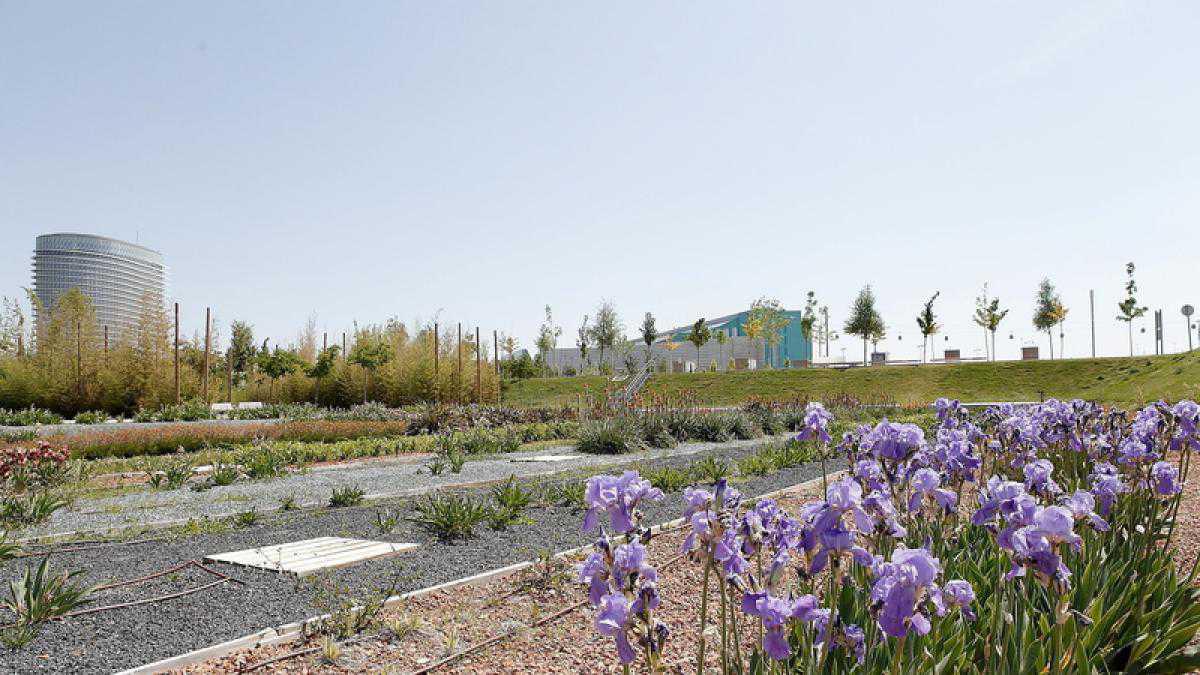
x=792, y=348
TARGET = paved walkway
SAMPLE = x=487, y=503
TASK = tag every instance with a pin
x=378, y=478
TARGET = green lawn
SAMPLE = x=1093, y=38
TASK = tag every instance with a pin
x=1112, y=380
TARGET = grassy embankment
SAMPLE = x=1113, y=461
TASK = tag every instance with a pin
x=1111, y=380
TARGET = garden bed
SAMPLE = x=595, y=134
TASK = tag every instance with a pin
x=124, y=638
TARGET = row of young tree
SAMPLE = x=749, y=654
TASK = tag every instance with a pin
x=68, y=366
x=603, y=332
x=1050, y=312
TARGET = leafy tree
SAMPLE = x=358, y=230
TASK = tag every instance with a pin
x=864, y=320
x=988, y=315
x=241, y=346
x=547, y=340
x=371, y=350
x=12, y=328
x=1128, y=307
x=322, y=368
x=767, y=321
x=508, y=345
x=722, y=339
x=582, y=343
x=607, y=329
x=278, y=363
x=649, y=333
x=1049, y=312
x=927, y=323
x=808, y=319
x=699, y=336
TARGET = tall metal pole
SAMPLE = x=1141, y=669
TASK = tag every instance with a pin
x=207, y=347
x=106, y=343
x=478, y=367
x=229, y=374
x=324, y=341
x=1092, y=303
x=496, y=351
x=177, y=353
x=458, y=375
x=344, y=354
x=437, y=363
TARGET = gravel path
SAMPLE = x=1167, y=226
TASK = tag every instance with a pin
x=124, y=638
x=378, y=478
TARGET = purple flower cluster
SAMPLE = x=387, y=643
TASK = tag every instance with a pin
x=623, y=588
x=816, y=423
x=618, y=497
x=906, y=587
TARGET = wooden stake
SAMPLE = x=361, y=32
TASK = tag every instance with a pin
x=458, y=375
x=437, y=357
x=177, y=353
x=207, y=347
x=478, y=367
x=496, y=351
x=229, y=374
x=106, y=345
x=344, y=355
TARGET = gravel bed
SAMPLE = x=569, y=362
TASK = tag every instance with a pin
x=72, y=429
x=125, y=638
x=378, y=478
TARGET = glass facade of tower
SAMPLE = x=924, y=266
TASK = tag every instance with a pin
x=121, y=279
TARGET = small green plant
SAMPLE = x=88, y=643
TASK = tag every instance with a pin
x=667, y=478
x=566, y=493
x=511, y=495
x=346, y=495
x=757, y=464
x=224, y=474
x=437, y=465
x=246, y=518
x=17, y=636
x=39, y=595
x=712, y=469
x=386, y=520
x=288, y=503
x=456, y=458
x=449, y=516
x=330, y=651
x=264, y=461
x=402, y=625
x=9, y=549
x=29, y=509
x=349, y=615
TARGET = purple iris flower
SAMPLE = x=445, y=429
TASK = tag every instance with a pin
x=775, y=613
x=1038, y=478
x=899, y=588
x=837, y=541
x=1187, y=419
x=728, y=553
x=1106, y=485
x=869, y=473
x=956, y=593
x=695, y=500
x=618, y=496
x=594, y=573
x=1164, y=477
x=613, y=621
x=893, y=442
x=816, y=423
x=998, y=495
x=1083, y=507
x=946, y=408
x=880, y=507
x=927, y=483
x=849, y=637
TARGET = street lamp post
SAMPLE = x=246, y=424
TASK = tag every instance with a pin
x=1187, y=311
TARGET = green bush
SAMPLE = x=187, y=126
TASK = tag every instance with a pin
x=91, y=417
x=346, y=495
x=449, y=516
x=615, y=436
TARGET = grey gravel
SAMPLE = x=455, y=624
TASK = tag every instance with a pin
x=125, y=638
x=72, y=429
x=378, y=478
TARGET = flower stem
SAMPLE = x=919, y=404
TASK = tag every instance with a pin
x=703, y=617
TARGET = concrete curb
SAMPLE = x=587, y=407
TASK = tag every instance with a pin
x=295, y=630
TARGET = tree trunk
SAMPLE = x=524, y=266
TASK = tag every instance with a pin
x=993, y=345
x=865, y=362
x=1050, y=335
x=366, y=384
x=1130, y=322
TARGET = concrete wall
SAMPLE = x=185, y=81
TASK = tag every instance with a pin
x=737, y=347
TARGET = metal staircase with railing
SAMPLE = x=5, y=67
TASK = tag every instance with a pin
x=633, y=386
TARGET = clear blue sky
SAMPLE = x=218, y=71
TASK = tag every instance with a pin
x=363, y=160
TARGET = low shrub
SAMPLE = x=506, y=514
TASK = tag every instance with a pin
x=756, y=464
x=29, y=468
x=91, y=417
x=188, y=411
x=713, y=428
x=28, y=417
x=656, y=431
x=511, y=495
x=615, y=436
x=667, y=478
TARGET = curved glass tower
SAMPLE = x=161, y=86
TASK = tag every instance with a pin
x=121, y=279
